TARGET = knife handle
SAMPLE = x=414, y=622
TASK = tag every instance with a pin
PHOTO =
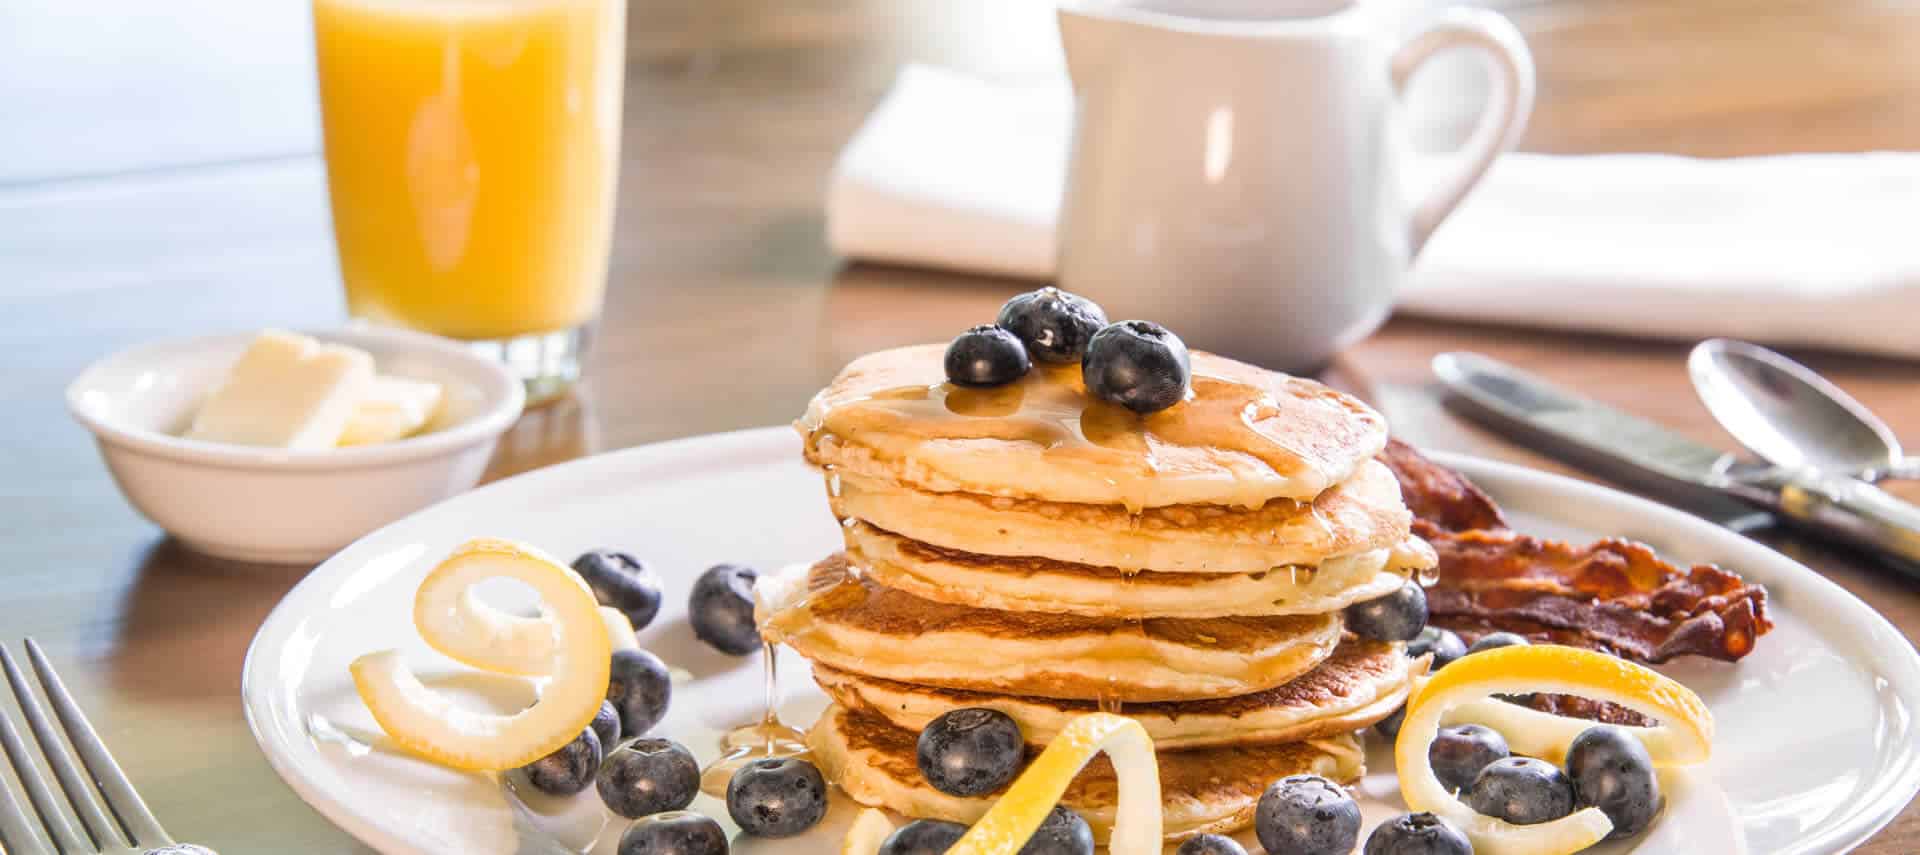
x=1858, y=511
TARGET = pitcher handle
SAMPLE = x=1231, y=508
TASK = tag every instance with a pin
x=1502, y=120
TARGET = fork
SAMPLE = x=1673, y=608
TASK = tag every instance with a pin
x=82, y=825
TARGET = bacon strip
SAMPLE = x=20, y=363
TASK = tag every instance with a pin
x=1441, y=499
x=1612, y=595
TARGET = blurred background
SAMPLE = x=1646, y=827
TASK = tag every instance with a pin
x=130, y=86
x=161, y=161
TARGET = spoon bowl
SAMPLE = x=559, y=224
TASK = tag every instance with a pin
x=1789, y=415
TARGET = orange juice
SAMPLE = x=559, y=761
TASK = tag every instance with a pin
x=472, y=148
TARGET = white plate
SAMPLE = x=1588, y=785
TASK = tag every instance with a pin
x=1816, y=747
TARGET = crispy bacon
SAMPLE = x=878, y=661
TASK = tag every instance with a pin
x=1441, y=499
x=1573, y=706
x=1612, y=595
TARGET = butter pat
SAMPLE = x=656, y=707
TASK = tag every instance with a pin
x=394, y=408
x=287, y=391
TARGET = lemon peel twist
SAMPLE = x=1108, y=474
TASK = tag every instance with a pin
x=464, y=628
x=1463, y=692
x=1138, y=824
x=572, y=637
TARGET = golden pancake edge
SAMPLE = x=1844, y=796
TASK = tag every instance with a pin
x=845, y=621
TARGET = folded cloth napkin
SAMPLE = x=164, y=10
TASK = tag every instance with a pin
x=959, y=173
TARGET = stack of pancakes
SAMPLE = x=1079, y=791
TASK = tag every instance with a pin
x=1039, y=552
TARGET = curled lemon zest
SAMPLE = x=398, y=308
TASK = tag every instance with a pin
x=577, y=647
x=1138, y=824
x=1463, y=692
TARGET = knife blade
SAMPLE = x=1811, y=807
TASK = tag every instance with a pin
x=1710, y=482
x=1607, y=440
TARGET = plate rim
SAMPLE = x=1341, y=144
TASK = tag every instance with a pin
x=1867, y=818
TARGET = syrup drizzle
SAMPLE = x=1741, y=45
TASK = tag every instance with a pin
x=1051, y=408
x=768, y=737
x=1109, y=698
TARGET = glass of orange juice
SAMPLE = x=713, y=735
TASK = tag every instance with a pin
x=472, y=148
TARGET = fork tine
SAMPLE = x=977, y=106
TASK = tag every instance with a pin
x=52, y=818
x=121, y=797
x=104, y=831
x=18, y=833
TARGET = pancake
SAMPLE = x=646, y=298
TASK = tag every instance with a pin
x=1210, y=790
x=850, y=623
x=1361, y=515
x=1244, y=436
x=1362, y=683
x=1044, y=585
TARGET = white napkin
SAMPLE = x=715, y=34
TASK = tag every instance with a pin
x=1820, y=250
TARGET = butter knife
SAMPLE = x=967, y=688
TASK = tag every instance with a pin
x=1711, y=482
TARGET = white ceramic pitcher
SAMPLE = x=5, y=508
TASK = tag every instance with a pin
x=1237, y=166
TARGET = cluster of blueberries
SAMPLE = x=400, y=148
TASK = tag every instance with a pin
x=1139, y=365
x=651, y=779
x=1607, y=767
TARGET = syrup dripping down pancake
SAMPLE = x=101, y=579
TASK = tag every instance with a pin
x=1044, y=585
x=855, y=625
x=1362, y=683
x=1362, y=514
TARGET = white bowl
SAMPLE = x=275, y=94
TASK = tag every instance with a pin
x=275, y=505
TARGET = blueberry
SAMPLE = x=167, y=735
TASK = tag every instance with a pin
x=777, y=797
x=1611, y=771
x=1442, y=643
x=923, y=837
x=606, y=723
x=679, y=832
x=721, y=609
x=1398, y=616
x=1389, y=727
x=1458, y=753
x=1522, y=790
x=568, y=770
x=1416, y=834
x=1063, y=832
x=986, y=356
x=1139, y=365
x=623, y=582
x=639, y=688
x=1055, y=326
x=1211, y=844
x=971, y=752
x=1497, y=639
x=648, y=776
x=1307, y=815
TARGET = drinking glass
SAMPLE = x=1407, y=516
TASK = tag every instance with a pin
x=472, y=151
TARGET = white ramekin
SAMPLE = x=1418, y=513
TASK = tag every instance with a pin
x=275, y=505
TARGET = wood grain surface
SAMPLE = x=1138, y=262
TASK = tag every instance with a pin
x=726, y=309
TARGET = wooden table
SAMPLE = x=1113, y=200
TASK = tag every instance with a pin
x=170, y=189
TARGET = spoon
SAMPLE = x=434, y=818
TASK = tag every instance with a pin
x=1792, y=417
